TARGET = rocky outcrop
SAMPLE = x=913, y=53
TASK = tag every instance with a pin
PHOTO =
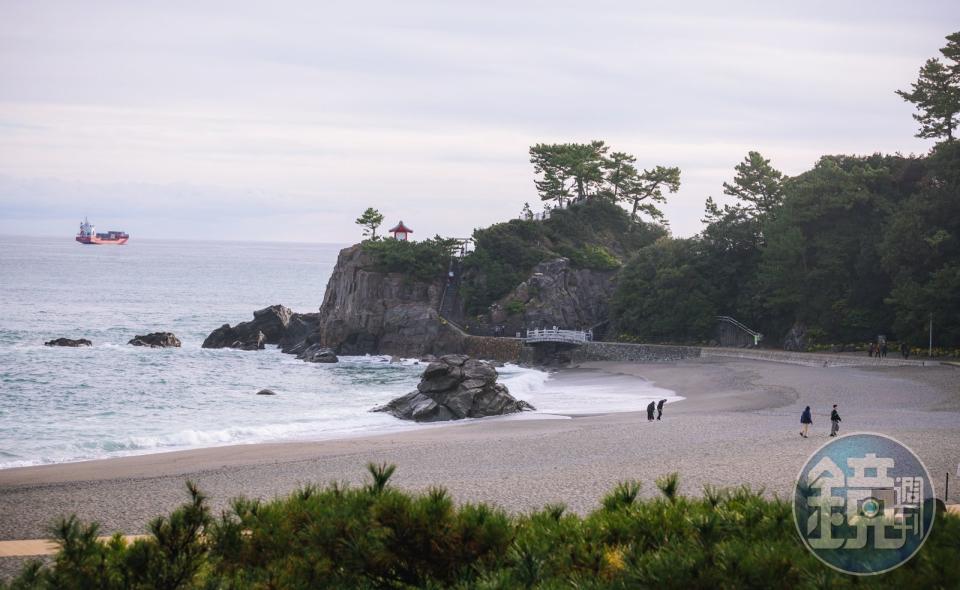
x=366, y=311
x=301, y=332
x=227, y=337
x=318, y=354
x=266, y=392
x=68, y=342
x=156, y=340
x=453, y=388
x=268, y=326
x=796, y=338
x=556, y=294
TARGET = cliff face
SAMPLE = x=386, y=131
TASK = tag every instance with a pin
x=556, y=294
x=365, y=311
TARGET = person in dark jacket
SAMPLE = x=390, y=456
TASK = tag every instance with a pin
x=660, y=408
x=834, y=421
x=805, y=421
x=650, y=410
x=905, y=350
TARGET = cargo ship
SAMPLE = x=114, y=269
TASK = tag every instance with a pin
x=87, y=235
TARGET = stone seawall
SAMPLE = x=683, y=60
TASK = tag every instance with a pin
x=643, y=353
x=507, y=350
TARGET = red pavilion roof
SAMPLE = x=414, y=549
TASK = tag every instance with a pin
x=400, y=228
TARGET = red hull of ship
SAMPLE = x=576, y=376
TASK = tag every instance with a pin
x=93, y=240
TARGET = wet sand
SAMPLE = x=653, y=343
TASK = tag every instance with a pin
x=738, y=425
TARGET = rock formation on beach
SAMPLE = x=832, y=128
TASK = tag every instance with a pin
x=156, y=340
x=266, y=392
x=453, y=388
x=68, y=342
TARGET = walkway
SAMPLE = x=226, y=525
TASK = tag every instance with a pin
x=558, y=335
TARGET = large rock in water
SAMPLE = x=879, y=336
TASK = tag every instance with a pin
x=268, y=327
x=156, y=340
x=452, y=388
x=68, y=342
x=301, y=333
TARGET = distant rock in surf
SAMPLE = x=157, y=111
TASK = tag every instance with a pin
x=266, y=392
x=453, y=388
x=156, y=340
x=68, y=342
x=318, y=354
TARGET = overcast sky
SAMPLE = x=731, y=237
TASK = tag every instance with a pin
x=284, y=120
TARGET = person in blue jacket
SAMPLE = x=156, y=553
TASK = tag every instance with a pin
x=805, y=421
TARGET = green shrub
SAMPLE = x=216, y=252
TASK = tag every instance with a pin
x=515, y=307
x=426, y=260
x=375, y=536
x=595, y=234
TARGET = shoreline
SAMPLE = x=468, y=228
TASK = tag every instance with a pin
x=560, y=382
x=736, y=425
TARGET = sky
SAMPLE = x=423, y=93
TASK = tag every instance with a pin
x=284, y=120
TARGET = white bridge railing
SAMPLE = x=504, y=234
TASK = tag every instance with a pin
x=558, y=335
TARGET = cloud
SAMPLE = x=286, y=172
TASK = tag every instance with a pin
x=199, y=113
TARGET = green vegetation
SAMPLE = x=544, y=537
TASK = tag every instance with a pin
x=378, y=537
x=576, y=171
x=425, y=260
x=853, y=248
x=936, y=93
x=596, y=234
x=370, y=220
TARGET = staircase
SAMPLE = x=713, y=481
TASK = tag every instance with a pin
x=733, y=334
x=450, y=307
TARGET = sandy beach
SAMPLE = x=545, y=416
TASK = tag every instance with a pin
x=738, y=424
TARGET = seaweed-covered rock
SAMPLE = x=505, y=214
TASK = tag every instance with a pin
x=452, y=388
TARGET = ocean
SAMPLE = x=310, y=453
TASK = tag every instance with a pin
x=111, y=399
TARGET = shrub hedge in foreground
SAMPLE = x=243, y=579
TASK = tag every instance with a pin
x=378, y=537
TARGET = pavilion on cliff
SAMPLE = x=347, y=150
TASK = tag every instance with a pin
x=401, y=232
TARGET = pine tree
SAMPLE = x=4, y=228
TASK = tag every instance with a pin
x=936, y=93
x=370, y=220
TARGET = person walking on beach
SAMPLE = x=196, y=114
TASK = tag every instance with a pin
x=834, y=421
x=805, y=421
x=883, y=349
x=905, y=350
x=872, y=348
x=650, y=410
x=660, y=408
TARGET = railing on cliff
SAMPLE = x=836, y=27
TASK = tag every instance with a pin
x=558, y=335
